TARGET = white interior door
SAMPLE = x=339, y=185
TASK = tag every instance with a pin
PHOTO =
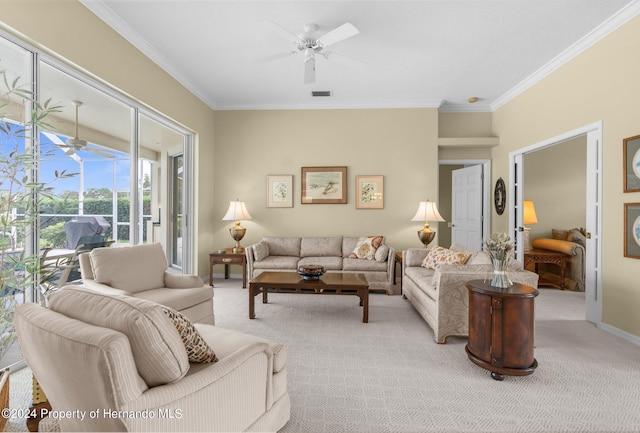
x=593, y=259
x=467, y=206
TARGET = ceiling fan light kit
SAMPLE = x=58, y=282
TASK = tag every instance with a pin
x=311, y=46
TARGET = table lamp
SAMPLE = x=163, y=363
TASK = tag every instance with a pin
x=427, y=211
x=529, y=217
x=237, y=211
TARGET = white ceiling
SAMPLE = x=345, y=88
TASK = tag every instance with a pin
x=430, y=53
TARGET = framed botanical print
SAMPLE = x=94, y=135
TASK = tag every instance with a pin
x=369, y=192
x=324, y=185
x=631, y=155
x=280, y=190
x=632, y=230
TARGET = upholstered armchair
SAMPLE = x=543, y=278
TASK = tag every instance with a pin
x=141, y=271
x=120, y=363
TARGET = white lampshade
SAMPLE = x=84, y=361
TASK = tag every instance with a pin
x=237, y=211
x=427, y=211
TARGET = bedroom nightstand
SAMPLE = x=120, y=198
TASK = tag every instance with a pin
x=228, y=258
x=536, y=256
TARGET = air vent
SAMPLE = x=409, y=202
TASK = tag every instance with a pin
x=316, y=93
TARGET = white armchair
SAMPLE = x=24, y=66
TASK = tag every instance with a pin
x=141, y=271
x=118, y=363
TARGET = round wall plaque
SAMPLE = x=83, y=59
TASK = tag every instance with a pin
x=500, y=196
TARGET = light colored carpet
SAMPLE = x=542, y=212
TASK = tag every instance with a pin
x=390, y=376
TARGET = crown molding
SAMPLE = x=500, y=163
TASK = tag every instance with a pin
x=334, y=106
x=464, y=108
x=597, y=34
x=104, y=12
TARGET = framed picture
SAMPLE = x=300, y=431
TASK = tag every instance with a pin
x=632, y=230
x=631, y=154
x=369, y=192
x=280, y=190
x=324, y=185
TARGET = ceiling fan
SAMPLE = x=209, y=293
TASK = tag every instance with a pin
x=75, y=144
x=310, y=45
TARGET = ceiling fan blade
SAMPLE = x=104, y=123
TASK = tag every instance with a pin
x=338, y=34
x=275, y=57
x=310, y=71
x=283, y=32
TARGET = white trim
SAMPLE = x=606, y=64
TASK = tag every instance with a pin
x=320, y=105
x=580, y=46
x=634, y=339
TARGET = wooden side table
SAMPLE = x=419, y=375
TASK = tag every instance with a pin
x=228, y=258
x=395, y=265
x=536, y=256
x=501, y=328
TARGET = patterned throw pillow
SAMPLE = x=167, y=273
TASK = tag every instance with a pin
x=442, y=256
x=366, y=248
x=197, y=349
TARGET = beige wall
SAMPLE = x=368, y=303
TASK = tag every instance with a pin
x=600, y=84
x=71, y=31
x=399, y=144
x=555, y=178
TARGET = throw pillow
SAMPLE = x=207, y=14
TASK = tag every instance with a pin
x=576, y=236
x=442, y=256
x=197, y=349
x=382, y=253
x=261, y=250
x=366, y=248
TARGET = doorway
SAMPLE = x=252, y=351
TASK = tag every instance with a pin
x=593, y=215
x=445, y=196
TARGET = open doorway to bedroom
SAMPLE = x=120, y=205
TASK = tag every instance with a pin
x=562, y=177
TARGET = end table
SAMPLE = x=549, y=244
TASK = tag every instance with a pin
x=536, y=256
x=501, y=328
x=228, y=258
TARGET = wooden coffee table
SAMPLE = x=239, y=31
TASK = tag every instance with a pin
x=328, y=284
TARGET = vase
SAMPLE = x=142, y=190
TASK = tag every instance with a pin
x=500, y=277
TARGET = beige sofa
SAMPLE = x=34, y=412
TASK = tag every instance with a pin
x=288, y=253
x=119, y=363
x=440, y=295
x=141, y=271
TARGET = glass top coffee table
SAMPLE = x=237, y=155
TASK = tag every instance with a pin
x=327, y=284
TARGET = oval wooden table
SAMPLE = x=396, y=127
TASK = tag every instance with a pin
x=501, y=328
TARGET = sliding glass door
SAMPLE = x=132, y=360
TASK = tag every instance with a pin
x=108, y=164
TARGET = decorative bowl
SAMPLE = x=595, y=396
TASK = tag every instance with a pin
x=311, y=272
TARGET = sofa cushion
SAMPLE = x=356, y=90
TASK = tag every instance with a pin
x=226, y=341
x=278, y=262
x=363, y=265
x=157, y=348
x=261, y=250
x=348, y=244
x=329, y=263
x=366, y=248
x=134, y=269
x=443, y=256
x=197, y=348
x=423, y=278
x=181, y=281
x=178, y=299
x=321, y=247
x=283, y=246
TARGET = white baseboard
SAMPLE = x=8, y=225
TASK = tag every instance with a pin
x=620, y=333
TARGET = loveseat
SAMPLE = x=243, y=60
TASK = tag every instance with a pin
x=571, y=242
x=141, y=271
x=368, y=255
x=120, y=363
x=440, y=294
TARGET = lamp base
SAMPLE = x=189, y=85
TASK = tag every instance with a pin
x=426, y=237
x=237, y=232
x=525, y=240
